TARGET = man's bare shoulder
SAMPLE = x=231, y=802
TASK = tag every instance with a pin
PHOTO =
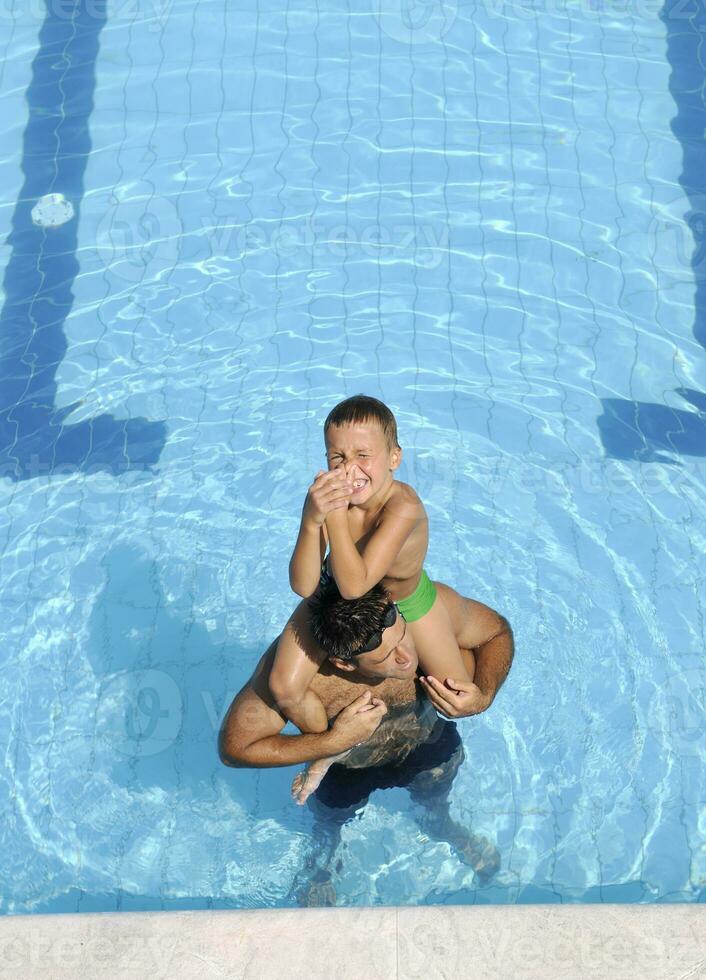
x=473, y=622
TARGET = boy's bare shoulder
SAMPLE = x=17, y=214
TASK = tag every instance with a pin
x=404, y=502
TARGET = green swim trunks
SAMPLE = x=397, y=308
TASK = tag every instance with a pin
x=420, y=602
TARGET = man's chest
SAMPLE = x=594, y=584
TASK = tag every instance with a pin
x=337, y=692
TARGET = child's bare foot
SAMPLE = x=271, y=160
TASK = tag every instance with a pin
x=308, y=780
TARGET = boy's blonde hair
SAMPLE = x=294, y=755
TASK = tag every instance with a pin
x=360, y=409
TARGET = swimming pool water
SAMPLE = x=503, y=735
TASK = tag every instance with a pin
x=490, y=215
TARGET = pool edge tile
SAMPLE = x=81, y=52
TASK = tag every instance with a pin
x=251, y=944
x=553, y=942
x=495, y=942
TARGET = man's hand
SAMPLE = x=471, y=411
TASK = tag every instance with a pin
x=455, y=699
x=331, y=490
x=357, y=722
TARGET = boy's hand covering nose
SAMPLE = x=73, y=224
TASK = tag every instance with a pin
x=331, y=490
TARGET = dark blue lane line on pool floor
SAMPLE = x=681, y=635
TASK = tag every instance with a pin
x=34, y=441
x=647, y=431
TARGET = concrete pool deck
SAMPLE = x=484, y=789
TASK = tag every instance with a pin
x=495, y=942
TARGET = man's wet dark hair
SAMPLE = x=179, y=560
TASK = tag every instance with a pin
x=342, y=626
x=360, y=409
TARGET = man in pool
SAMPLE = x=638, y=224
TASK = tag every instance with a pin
x=383, y=720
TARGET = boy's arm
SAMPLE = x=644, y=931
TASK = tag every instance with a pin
x=355, y=572
x=330, y=490
x=305, y=563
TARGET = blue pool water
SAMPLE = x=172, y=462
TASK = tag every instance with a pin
x=491, y=215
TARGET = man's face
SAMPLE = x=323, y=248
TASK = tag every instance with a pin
x=361, y=451
x=395, y=657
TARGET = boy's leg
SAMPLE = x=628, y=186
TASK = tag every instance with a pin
x=437, y=647
x=297, y=661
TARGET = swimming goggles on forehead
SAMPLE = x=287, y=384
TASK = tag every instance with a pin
x=375, y=640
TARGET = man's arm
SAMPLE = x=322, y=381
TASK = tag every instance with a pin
x=494, y=659
x=250, y=734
